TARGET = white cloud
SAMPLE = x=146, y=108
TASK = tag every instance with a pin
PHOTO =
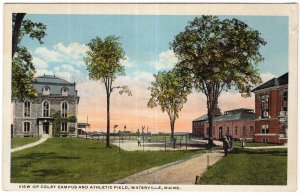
x=166, y=60
x=126, y=62
x=72, y=53
x=39, y=63
x=143, y=76
x=266, y=76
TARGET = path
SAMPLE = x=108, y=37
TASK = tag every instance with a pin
x=264, y=147
x=43, y=139
x=183, y=172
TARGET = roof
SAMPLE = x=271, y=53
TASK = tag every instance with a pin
x=231, y=115
x=235, y=117
x=201, y=118
x=282, y=80
x=55, y=84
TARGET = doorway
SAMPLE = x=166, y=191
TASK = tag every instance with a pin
x=46, y=128
x=220, y=132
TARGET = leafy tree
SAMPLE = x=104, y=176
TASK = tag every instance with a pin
x=169, y=91
x=219, y=55
x=103, y=63
x=58, y=120
x=22, y=67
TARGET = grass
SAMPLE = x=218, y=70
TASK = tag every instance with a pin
x=75, y=160
x=253, y=144
x=20, y=141
x=249, y=167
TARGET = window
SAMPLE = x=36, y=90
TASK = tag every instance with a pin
x=46, y=108
x=251, y=130
x=227, y=131
x=265, y=106
x=265, y=141
x=265, y=129
x=64, y=109
x=27, y=109
x=26, y=127
x=64, y=91
x=207, y=131
x=64, y=127
x=244, y=130
x=235, y=130
x=46, y=90
x=285, y=101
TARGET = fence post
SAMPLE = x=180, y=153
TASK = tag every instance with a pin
x=165, y=143
x=180, y=143
x=185, y=142
x=85, y=135
x=119, y=143
x=207, y=160
x=143, y=142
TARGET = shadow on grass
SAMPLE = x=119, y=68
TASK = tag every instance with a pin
x=42, y=156
x=48, y=172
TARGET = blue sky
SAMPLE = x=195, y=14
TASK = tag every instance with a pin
x=144, y=38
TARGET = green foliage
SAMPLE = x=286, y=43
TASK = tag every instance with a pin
x=169, y=91
x=22, y=67
x=71, y=129
x=103, y=63
x=58, y=120
x=223, y=52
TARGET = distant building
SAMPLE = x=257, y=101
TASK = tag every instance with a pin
x=34, y=116
x=239, y=123
x=271, y=107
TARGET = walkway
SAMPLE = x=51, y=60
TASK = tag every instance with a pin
x=43, y=139
x=264, y=147
x=182, y=172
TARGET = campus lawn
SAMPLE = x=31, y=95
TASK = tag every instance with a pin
x=20, y=141
x=249, y=167
x=76, y=160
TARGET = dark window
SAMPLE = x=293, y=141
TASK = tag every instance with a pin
x=265, y=106
x=265, y=129
x=64, y=127
x=235, y=130
x=285, y=101
x=64, y=109
x=265, y=141
x=46, y=109
x=251, y=130
x=26, y=126
x=244, y=130
x=227, y=131
x=27, y=109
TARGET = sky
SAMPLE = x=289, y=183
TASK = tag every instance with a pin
x=145, y=40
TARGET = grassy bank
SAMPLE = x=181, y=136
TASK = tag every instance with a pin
x=20, y=141
x=249, y=167
x=75, y=160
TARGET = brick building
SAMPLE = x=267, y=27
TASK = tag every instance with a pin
x=239, y=123
x=34, y=116
x=271, y=106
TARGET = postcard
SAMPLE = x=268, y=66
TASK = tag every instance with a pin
x=151, y=97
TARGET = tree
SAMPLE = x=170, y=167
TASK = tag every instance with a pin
x=22, y=67
x=103, y=63
x=169, y=91
x=219, y=55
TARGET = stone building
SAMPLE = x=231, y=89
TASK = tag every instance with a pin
x=52, y=112
x=271, y=107
x=239, y=123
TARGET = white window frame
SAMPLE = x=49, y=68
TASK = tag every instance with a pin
x=61, y=129
x=24, y=108
x=264, y=129
x=43, y=109
x=46, y=92
x=61, y=109
x=24, y=126
x=64, y=93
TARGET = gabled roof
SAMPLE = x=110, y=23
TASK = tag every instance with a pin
x=235, y=117
x=201, y=118
x=282, y=80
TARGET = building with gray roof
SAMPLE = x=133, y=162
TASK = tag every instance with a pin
x=53, y=111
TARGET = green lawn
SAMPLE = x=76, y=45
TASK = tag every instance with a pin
x=253, y=144
x=20, y=141
x=249, y=167
x=75, y=160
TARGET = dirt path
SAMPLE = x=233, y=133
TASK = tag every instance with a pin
x=177, y=173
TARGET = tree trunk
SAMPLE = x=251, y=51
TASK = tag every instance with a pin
x=210, y=128
x=172, y=124
x=107, y=121
x=16, y=32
